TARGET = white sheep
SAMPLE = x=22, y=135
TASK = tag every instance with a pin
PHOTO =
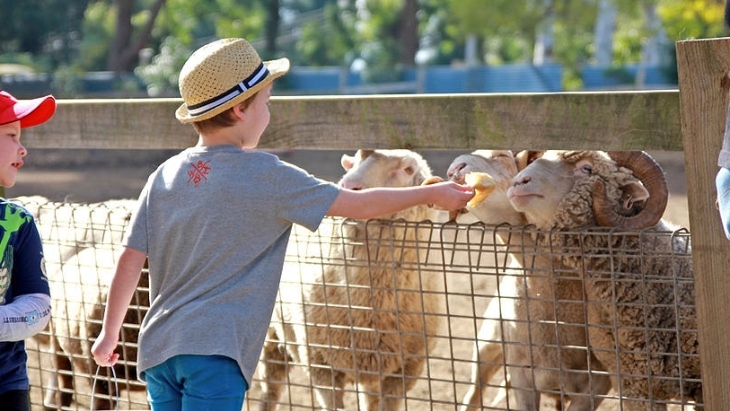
x=79, y=291
x=364, y=310
x=640, y=304
x=495, y=210
x=79, y=242
x=532, y=330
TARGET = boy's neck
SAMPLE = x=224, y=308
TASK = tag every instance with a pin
x=220, y=137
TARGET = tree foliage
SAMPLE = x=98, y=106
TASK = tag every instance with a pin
x=377, y=35
x=327, y=39
x=49, y=30
x=687, y=19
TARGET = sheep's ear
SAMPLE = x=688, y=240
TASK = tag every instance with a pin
x=347, y=162
x=429, y=181
x=525, y=157
x=633, y=193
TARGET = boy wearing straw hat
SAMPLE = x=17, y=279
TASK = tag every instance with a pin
x=25, y=302
x=214, y=222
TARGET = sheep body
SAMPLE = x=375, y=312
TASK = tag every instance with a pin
x=641, y=305
x=352, y=323
x=79, y=242
x=79, y=291
x=533, y=330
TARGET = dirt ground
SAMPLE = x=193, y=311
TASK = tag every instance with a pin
x=99, y=175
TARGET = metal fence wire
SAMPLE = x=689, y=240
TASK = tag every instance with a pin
x=412, y=316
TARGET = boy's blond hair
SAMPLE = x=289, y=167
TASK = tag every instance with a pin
x=222, y=120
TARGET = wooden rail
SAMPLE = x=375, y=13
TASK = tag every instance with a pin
x=692, y=120
x=620, y=120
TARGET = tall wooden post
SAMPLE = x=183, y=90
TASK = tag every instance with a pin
x=703, y=87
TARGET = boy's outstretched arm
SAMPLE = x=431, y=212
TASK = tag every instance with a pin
x=121, y=290
x=375, y=202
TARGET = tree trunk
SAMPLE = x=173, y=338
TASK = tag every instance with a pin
x=653, y=52
x=122, y=34
x=544, y=39
x=605, y=28
x=124, y=52
x=408, y=32
x=271, y=29
x=470, y=50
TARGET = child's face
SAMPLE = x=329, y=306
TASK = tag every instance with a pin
x=11, y=153
x=257, y=116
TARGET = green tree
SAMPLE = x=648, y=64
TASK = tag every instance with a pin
x=388, y=32
x=327, y=39
x=688, y=19
x=129, y=38
x=49, y=30
x=161, y=74
x=271, y=28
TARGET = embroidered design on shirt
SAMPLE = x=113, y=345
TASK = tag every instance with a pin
x=198, y=172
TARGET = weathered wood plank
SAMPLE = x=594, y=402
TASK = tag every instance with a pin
x=703, y=81
x=613, y=121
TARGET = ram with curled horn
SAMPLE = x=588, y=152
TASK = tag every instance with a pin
x=654, y=193
x=639, y=288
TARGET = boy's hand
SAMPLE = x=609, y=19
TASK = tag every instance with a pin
x=451, y=196
x=103, y=350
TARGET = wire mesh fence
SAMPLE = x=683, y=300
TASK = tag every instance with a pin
x=411, y=315
x=81, y=245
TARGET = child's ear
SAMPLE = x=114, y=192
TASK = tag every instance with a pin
x=239, y=110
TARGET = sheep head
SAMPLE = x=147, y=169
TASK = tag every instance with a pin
x=502, y=166
x=571, y=189
x=384, y=168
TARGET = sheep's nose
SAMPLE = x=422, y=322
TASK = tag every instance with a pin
x=520, y=181
x=454, y=173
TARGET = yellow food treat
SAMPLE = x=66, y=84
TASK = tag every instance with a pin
x=482, y=183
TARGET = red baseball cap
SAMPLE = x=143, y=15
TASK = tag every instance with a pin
x=29, y=112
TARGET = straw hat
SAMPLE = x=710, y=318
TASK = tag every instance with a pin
x=222, y=74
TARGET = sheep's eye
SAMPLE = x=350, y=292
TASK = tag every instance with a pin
x=409, y=170
x=587, y=169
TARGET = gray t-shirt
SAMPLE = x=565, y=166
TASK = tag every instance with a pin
x=215, y=222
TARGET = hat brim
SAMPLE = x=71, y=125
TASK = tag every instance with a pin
x=277, y=68
x=30, y=112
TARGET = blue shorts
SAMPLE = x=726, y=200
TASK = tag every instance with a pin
x=196, y=383
x=722, y=181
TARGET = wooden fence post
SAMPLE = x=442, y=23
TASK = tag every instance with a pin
x=703, y=67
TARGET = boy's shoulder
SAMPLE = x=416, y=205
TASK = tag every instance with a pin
x=14, y=208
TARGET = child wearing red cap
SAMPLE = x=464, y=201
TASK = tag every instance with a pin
x=25, y=302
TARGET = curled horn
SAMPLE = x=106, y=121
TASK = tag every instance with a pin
x=646, y=169
x=525, y=157
x=365, y=153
